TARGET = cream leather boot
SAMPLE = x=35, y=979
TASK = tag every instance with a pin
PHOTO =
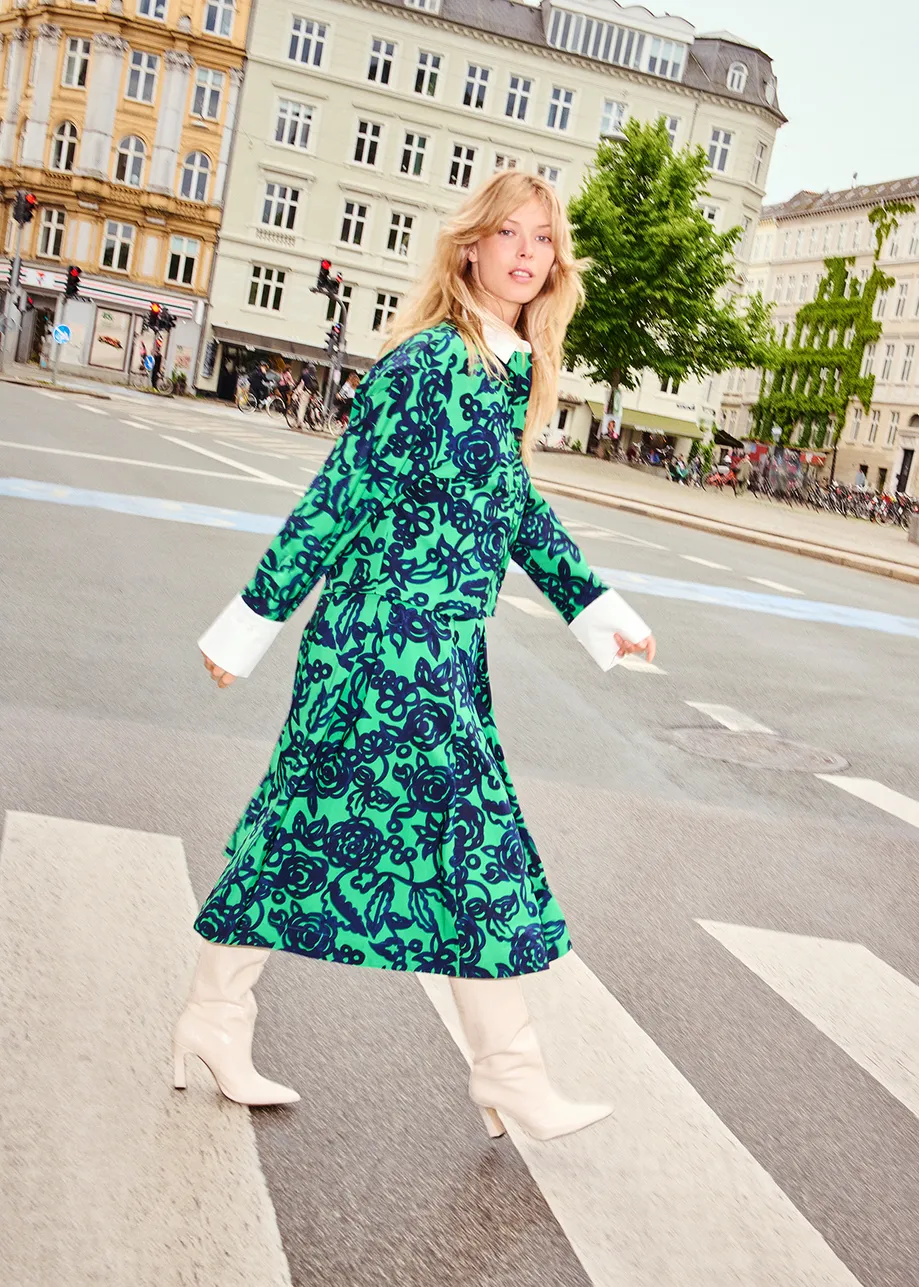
x=218, y=1023
x=508, y=1076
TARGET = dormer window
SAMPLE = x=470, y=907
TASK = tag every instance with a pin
x=737, y=77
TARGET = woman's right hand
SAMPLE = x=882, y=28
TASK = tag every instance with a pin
x=223, y=677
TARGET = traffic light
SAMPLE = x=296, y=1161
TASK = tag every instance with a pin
x=333, y=338
x=153, y=317
x=159, y=319
x=324, y=281
x=72, y=286
x=30, y=303
x=24, y=207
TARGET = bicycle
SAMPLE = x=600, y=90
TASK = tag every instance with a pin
x=272, y=402
x=164, y=385
x=299, y=417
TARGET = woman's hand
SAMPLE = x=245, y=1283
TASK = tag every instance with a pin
x=626, y=647
x=223, y=677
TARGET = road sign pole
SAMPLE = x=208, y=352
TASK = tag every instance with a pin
x=8, y=307
x=58, y=347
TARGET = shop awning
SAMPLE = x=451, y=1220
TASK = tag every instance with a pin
x=289, y=348
x=648, y=422
x=597, y=409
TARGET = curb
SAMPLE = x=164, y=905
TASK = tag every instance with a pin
x=811, y=549
x=55, y=388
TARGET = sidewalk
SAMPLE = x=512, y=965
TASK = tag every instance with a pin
x=849, y=542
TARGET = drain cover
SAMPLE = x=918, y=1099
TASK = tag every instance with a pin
x=757, y=750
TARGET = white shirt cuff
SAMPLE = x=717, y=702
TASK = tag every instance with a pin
x=597, y=625
x=239, y=638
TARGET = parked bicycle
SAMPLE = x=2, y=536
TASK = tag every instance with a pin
x=141, y=378
x=272, y=401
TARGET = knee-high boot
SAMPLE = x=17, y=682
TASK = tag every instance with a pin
x=508, y=1075
x=218, y=1023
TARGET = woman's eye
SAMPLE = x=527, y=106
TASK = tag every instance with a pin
x=509, y=232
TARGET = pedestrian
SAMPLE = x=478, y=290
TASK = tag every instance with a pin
x=157, y=363
x=345, y=396
x=307, y=385
x=386, y=831
x=744, y=473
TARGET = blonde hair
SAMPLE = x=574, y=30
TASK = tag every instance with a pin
x=448, y=292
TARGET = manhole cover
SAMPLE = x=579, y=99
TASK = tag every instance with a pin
x=757, y=750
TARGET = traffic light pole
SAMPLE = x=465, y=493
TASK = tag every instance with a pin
x=335, y=363
x=9, y=303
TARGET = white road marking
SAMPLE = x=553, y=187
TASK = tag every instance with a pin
x=705, y=563
x=854, y=998
x=736, y=721
x=661, y=1192
x=137, y=424
x=900, y=806
x=45, y=393
x=773, y=585
x=636, y=663
x=610, y=533
x=144, y=464
x=234, y=446
x=111, y=1176
x=237, y=464
x=96, y=411
x=529, y=607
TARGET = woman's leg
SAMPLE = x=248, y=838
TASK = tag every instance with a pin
x=218, y=1023
x=508, y=1074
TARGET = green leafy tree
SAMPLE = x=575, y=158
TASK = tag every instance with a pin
x=658, y=270
x=811, y=378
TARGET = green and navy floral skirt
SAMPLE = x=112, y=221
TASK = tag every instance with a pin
x=386, y=831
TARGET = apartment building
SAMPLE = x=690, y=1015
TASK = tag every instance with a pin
x=118, y=115
x=363, y=123
x=789, y=248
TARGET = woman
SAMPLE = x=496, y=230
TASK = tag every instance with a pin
x=344, y=399
x=386, y=832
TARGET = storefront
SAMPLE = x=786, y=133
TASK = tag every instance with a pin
x=651, y=434
x=229, y=353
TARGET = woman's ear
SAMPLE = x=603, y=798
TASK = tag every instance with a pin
x=472, y=254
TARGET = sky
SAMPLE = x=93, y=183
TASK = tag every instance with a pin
x=847, y=82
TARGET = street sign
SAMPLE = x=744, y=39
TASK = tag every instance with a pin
x=148, y=362
x=61, y=334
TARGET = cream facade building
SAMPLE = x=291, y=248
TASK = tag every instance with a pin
x=118, y=115
x=789, y=248
x=363, y=123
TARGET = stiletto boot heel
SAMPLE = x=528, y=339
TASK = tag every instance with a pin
x=493, y=1123
x=178, y=1075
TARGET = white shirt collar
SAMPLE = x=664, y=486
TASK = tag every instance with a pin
x=503, y=341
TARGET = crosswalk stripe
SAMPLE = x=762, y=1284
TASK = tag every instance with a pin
x=736, y=721
x=225, y=460
x=96, y=411
x=774, y=585
x=111, y=1176
x=854, y=998
x=661, y=1192
x=705, y=563
x=876, y=793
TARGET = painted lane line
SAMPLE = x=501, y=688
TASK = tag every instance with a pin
x=234, y=446
x=141, y=464
x=138, y=424
x=45, y=393
x=736, y=721
x=899, y=806
x=705, y=563
x=852, y=996
x=636, y=663
x=145, y=506
x=774, y=585
x=578, y=525
x=529, y=607
x=661, y=1192
x=236, y=464
x=114, y=1176
x=94, y=411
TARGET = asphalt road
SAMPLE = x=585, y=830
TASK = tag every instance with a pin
x=745, y=986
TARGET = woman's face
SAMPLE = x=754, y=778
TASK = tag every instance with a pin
x=511, y=266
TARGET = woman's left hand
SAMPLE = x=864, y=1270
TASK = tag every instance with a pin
x=627, y=648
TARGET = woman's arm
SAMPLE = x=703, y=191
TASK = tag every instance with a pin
x=551, y=559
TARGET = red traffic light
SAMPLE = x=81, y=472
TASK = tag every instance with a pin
x=325, y=265
x=31, y=199
x=156, y=309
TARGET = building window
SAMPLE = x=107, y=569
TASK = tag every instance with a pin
x=669, y=385
x=868, y=360
x=799, y=243
x=218, y=17
x=461, y=166
x=827, y=238
x=266, y=287
x=413, y=154
x=908, y=354
x=613, y=118
x=841, y=236
x=307, y=42
x=152, y=9
x=279, y=209
x=737, y=77
x=875, y=425
x=344, y=293
x=672, y=126
x=711, y=214
x=583, y=35
x=129, y=161
x=476, y=85
x=804, y=288
x=426, y=73
x=666, y=59
x=400, y=232
x=431, y=6
x=893, y=428
x=902, y=296
x=790, y=289
x=293, y=124
x=856, y=424
x=208, y=88
x=814, y=241
x=786, y=245
x=518, y=97
x=560, y=108
x=183, y=255
x=367, y=142
x=353, y=223
x=914, y=240
x=52, y=233
x=195, y=174
x=142, y=70
x=116, y=248
x=76, y=64
x=759, y=162
x=719, y=149
x=505, y=162
x=887, y=367
x=551, y=174
x=64, y=146
x=386, y=307
x=381, y=56
x=880, y=308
